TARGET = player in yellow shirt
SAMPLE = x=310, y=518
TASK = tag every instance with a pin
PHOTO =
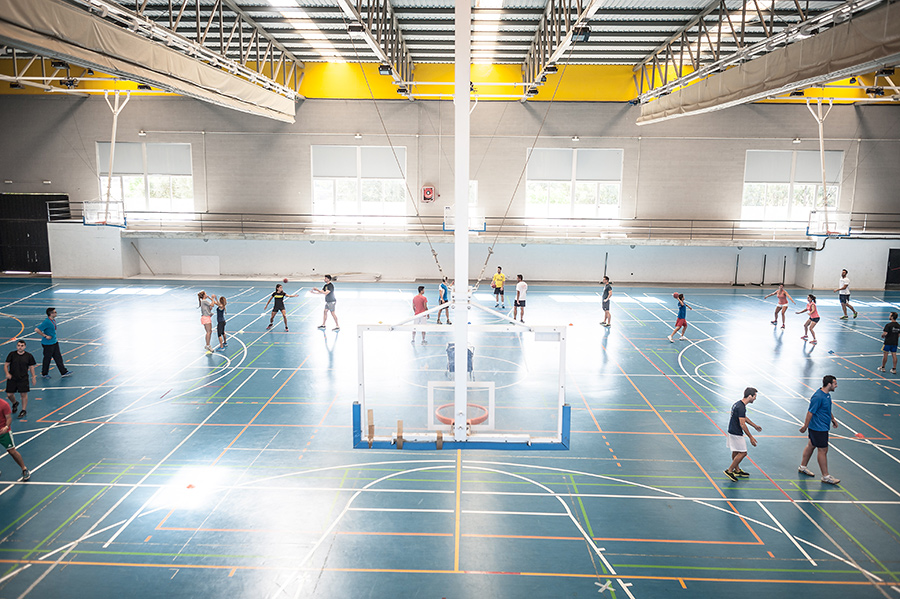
x=497, y=284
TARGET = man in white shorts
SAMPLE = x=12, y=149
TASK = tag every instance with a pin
x=737, y=427
x=519, y=302
x=420, y=304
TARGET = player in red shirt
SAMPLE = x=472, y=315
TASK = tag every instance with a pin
x=420, y=304
x=6, y=438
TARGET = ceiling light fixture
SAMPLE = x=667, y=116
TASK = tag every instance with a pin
x=575, y=138
x=796, y=140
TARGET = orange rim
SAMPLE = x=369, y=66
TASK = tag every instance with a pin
x=471, y=421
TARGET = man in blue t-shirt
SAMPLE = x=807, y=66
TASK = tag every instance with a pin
x=818, y=421
x=47, y=331
x=737, y=426
x=444, y=298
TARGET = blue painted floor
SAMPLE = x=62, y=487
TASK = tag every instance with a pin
x=161, y=470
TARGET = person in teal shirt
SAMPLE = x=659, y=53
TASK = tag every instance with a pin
x=818, y=421
x=47, y=331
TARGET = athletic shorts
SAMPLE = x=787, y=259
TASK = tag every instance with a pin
x=818, y=438
x=330, y=305
x=220, y=328
x=6, y=440
x=681, y=322
x=498, y=290
x=441, y=302
x=206, y=320
x=519, y=303
x=20, y=385
x=606, y=304
x=421, y=319
x=736, y=442
x=816, y=319
x=890, y=348
x=845, y=299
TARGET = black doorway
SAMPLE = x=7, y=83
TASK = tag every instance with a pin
x=23, y=229
x=893, y=270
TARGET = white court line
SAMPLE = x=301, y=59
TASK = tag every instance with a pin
x=29, y=296
x=160, y=463
x=497, y=513
x=403, y=510
x=787, y=534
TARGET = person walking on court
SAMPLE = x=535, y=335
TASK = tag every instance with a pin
x=220, y=324
x=783, y=297
x=681, y=321
x=444, y=298
x=330, y=303
x=810, y=325
x=278, y=295
x=519, y=302
x=737, y=428
x=819, y=420
x=420, y=304
x=50, y=345
x=843, y=292
x=891, y=334
x=607, y=295
x=6, y=439
x=16, y=367
x=497, y=283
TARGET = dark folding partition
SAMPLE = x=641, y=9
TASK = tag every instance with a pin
x=23, y=230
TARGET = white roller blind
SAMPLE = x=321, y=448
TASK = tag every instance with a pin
x=378, y=162
x=550, y=165
x=129, y=158
x=809, y=167
x=598, y=165
x=169, y=159
x=334, y=161
x=764, y=166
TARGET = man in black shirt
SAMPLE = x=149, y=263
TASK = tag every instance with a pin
x=737, y=426
x=891, y=335
x=16, y=368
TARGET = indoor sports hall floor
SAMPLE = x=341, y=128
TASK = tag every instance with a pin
x=161, y=471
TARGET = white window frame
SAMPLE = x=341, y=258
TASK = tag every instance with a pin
x=599, y=211
x=145, y=210
x=361, y=214
x=794, y=213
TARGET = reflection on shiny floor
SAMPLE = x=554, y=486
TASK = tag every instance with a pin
x=160, y=470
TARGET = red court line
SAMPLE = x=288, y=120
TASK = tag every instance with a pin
x=41, y=419
x=851, y=413
x=233, y=441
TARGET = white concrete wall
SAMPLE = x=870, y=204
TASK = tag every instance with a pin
x=406, y=261
x=866, y=260
x=80, y=251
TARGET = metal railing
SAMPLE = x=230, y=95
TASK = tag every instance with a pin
x=521, y=228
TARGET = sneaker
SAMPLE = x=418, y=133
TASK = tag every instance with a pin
x=286, y=330
x=813, y=342
x=208, y=349
x=413, y=341
x=448, y=322
x=804, y=337
x=806, y=471
x=66, y=373
x=439, y=322
x=730, y=475
x=22, y=414
x=741, y=473
x=424, y=342
x=893, y=371
x=269, y=327
x=503, y=306
x=224, y=345
x=670, y=339
x=220, y=349
x=26, y=476
x=321, y=327
x=336, y=329
x=774, y=322
x=830, y=480
x=496, y=305
x=855, y=314
x=682, y=338
x=15, y=406
x=881, y=368
x=782, y=326
x=45, y=376
x=844, y=317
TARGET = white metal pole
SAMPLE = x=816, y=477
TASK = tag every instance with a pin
x=462, y=75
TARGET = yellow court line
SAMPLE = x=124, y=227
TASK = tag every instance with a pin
x=458, y=494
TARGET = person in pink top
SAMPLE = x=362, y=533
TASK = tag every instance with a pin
x=783, y=297
x=810, y=324
x=420, y=304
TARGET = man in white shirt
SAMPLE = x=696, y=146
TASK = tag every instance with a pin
x=519, y=303
x=843, y=292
